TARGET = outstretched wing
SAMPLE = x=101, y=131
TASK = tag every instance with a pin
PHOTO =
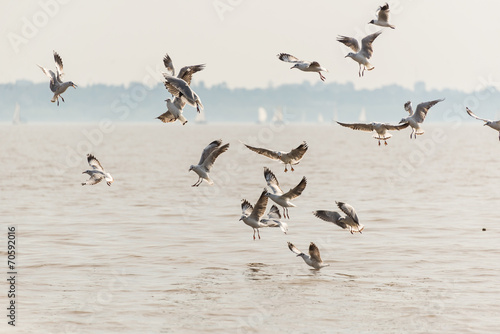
x=274, y=213
x=169, y=65
x=272, y=181
x=209, y=149
x=297, y=153
x=330, y=216
x=383, y=13
x=473, y=115
x=366, y=44
x=288, y=58
x=94, y=179
x=293, y=248
x=350, y=42
x=260, y=207
x=59, y=66
x=358, y=126
x=167, y=117
x=348, y=210
x=187, y=72
x=422, y=110
x=94, y=163
x=246, y=207
x=52, y=77
x=209, y=161
x=265, y=152
x=314, y=252
x=299, y=188
x=396, y=127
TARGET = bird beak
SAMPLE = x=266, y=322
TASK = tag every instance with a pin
x=298, y=254
x=346, y=56
x=74, y=86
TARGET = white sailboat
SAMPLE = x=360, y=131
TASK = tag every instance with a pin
x=262, y=115
x=200, y=118
x=362, y=115
x=16, y=118
x=320, y=118
x=278, y=116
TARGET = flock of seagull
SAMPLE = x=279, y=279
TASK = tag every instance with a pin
x=179, y=86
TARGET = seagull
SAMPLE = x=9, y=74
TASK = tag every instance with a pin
x=362, y=55
x=57, y=86
x=273, y=219
x=306, y=66
x=208, y=156
x=277, y=195
x=180, y=89
x=313, y=259
x=288, y=158
x=350, y=221
x=380, y=128
x=492, y=124
x=97, y=173
x=418, y=116
x=252, y=216
x=383, y=17
x=175, y=107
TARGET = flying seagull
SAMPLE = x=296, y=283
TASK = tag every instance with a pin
x=252, y=216
x=97, y=173
x=418, y=116
x=380, y=128
x=288, y=158
x=350, y=221
x=277, y=195
x=57, y=86
x=273, y=219
x=208, y=156
x=180, y=89
x=306, y=66
x=362, y=55
x=492, y=124
x=175, y=107
x=313, y=259
x=383, y=17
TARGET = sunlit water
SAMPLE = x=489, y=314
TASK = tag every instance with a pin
x=151, y=254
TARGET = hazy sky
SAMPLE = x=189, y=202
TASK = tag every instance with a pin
x=446, y=44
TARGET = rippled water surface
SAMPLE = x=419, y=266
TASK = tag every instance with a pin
x=151, y=254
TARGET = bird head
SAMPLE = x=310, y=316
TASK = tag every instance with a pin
x=72, y=84
x=191, y=168
x=402, y=121
x=371, y=22
x=242, y=217
x=295, y=66
x=350, y=55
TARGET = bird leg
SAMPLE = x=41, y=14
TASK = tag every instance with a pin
x=253, y=234
x=286, y=170
x=363, y=73
x=385, y=141
x=197, y=183
x=379, y=142
x=62, y=98
x=291, y=168
x=321, y=76
x=258, y=233
x=359, y=72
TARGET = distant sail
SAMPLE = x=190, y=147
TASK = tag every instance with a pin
x=278, y=116
x=320, y=118
x=200, y=118
x=262, y=115
x=362, y=115
x=16, y=118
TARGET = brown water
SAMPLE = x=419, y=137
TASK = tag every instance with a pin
x=150, y=254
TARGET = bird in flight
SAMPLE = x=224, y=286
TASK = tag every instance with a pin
x=57, y=86
x=306, y=66
x=363, y=54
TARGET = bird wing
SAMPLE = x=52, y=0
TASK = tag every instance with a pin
x=383, y=13
x=396, y=127
x=48, y=73
x=94, y=163
x=59, y=66
x=358, y=126
x=422, y=110
x=246, y=207
x=288, y=58
x=348, y=210
x=179, y=103
x=176, y=86
x=94, y=179
x=473, y=115
x=265, y=152
x=350, y=42
x=366, y=44
x=167, y=117
x=297, y=153
x=209, y=161
x=293, y=248
x=169, y=65
x=314, y=253
x=299, y=188
x=274, y=213
x=260, y=207
x=272, y=181
x=207, y=150
x=330, y=216
x=187, y=72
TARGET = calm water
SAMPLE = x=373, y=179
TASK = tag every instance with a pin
x=150, y=254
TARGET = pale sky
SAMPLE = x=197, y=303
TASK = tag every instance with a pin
x=445, y=44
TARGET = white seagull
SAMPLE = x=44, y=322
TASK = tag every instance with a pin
x=306, y=66
x=57, y=86
x=362, y=55
x=313, y=259
x=350, y=221
x=273, y=219
x=383, y=17
x=277, y=195
x=175, y=107
x=288, y=158
x=492, y=124
x=252, y=216
x=380, y=128
x=97, y=173
x=180, y=88
x=418, y=116
x=208, y=156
